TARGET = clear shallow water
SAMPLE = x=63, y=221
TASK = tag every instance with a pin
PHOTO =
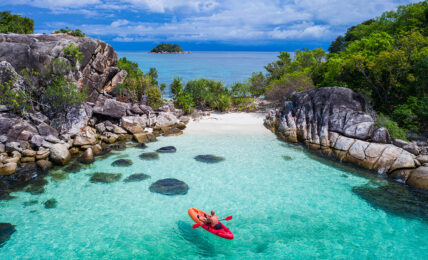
x=229, y=67
x=300, y=208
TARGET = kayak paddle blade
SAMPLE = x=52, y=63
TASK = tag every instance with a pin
x=228, y=218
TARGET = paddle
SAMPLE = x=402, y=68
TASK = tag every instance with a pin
x=198, y=225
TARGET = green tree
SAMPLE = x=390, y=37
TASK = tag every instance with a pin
x=13, y=23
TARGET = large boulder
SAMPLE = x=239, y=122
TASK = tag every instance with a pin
x=35, y=51
x=15, y=128
x=111, y=108
x=88, y=136
x=59, y=154
x=166, y=119
x=8, y=168
x=419, y=178
x=134, y=124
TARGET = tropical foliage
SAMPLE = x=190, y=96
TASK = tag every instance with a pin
x=138, y=83
x=13, y=23
x=75, y=32
x=385, y=59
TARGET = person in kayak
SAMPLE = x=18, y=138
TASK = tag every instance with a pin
x=212, y=221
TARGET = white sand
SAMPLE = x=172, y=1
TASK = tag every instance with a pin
x=228, y=123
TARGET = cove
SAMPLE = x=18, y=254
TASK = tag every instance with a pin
x=305, y=207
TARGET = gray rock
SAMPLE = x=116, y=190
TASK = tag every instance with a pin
x=34, y=51
x=400, y=143
x=166, y=119
x=381, y=135
x=134, y=124
x=37, y=140
x=46, y=130
x=111, y=108
x=100, y=127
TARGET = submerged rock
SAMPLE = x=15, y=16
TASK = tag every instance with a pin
x=209, y=158
x=149, y=156
x=30, y=203
x=122, y=163
x=102, y=177
x=118, y=146
x=58, y=176
x=287, y=158
x=141, y=145
x=6, y=230
x=136, y=177
x=50, y=204
x=87, y=157
x=73, y=168
x=36, y=187
x=169, y=187
x=167, y=149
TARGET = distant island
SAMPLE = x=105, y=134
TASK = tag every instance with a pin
x=168, y=48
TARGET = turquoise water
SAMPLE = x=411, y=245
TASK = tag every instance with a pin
x=229, y=67
x=300, y=208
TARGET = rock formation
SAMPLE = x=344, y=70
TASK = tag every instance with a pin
x=336, y=121
x=100, y=124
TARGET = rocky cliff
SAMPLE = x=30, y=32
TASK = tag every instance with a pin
x=30, y=143
x=337, y=122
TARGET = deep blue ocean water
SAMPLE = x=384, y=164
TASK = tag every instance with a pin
x=229, y=67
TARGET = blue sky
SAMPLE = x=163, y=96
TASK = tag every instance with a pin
x=254, y=25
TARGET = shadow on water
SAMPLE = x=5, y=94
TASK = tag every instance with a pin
x=186, y=231
x=395, y=199
x=382, y=193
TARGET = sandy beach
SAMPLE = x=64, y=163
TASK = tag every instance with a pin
x=228, y=123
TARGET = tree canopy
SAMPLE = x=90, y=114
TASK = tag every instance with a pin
x=13, y=23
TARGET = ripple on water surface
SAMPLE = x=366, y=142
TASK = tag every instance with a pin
x=299, y=208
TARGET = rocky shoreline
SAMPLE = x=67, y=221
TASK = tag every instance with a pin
x=32, y=144
x=337, y=122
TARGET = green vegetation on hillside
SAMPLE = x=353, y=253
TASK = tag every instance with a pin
x=76, y=32
x=167, y=47
x=51, y=91
x=13, y=23
x=385, y=59
x=137, y=84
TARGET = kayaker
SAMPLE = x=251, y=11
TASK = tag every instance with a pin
x=212, y=221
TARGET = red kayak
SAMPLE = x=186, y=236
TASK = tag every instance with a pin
x=224, y=232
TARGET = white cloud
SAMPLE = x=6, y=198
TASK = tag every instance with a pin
x=120, y=22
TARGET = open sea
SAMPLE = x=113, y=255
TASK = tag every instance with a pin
x=229, y=67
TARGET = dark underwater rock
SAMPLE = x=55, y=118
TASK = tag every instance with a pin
x=73, y=168
x=167, y=149
x=36, y=187
x=287, y=157
x=102, y=177
x=149, y=156
x=120, y=146
x=30, y=203
x=6, y=230
x=141, y=145
x=209, y=158
x=169, y=187
x=58, y=176
x=122, y=163
x=50, y=204
x=136, y=177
